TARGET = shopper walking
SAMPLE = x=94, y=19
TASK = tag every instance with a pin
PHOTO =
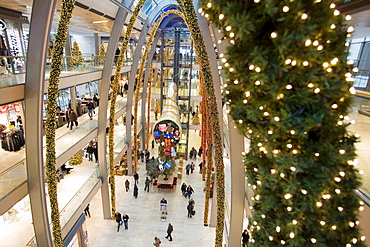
x=136, y=178
x=90, y=108
x=189, y=191
x=169, y=231
x=147, y=183
x=73, y=119
x=90, y=151
x=68, y=114
x=118, y=218
x=87, y=210
x=192, y=167
x=188, y=168
x=95, y=146
x=183, y=188
x=127, y=185
x=157, y=242
x=125, y=219
x=136, y=191
x=245, y=238
x=190, y=209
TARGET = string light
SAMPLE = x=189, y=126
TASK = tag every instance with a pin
x=304, y=192
x=334, y=227
x=258, y=69
x=278, y=228
x=304, y=16
x=305, y=63
x=251, y=67
x=289, y=145
x=289, y=209
x=291, y=235
x=294, y=222
x=317, y=90
x=350, y=29
x=221, y=16
x=337, y=191
x=287, y=196
x=236, y=82
x=333, y=26
x=209, y=5
x=308, y=42
x=315, y=43
x=273, y=35
x=336, y=12
x=313, y=240
x=285, y=9
x=228, y=28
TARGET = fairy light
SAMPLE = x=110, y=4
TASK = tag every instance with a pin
x=292, y=235
x=206, y=16
x=318, y=204
x=340, y=123
x=282, y=175
x=294, y=63
x=363, y=238
x=326, y=197
x=266, y=113
x=257, y=83
x=273, y=35
x=278, y=228
x=334, y=227
x=317, y=90
x=282, y=242
x=351, y=224
x=221, y=16
x=305, y=63
x=259, y=182
x=275, y=151
x=304, y=16
x=329, y=70
x=325, y=65
x=200, y=10
x=294, y=151
x=245, y=101
x=355, y=69
x=289, y=87
x=337, y=191
x=310, y=85
x=340, y=209
x=293, y=169
x=255, y=169
x=289, y=145
x=315, y=43
x=313, y=240
x=271, y=238
x=292, y=132
x=263, y=216
x=270, y=132
x=320, y=47
x=251, y=67
x=294, y=222
x=285, y=9
x=361, y=208
x=231, y=69
x=226, y=64
x=334, y=106
x=232, y=35
x=224, y=60
x=232, y=42
x=209, y=5
x=322, y=223
x=258, y=69
x=277, y=119
x=342, y=151
x=337, y=179
x=332, y=5
x=256, y=1
x=350, y=62
x=333, y=26
x=236, y=82
x=288, y=61
x=228, y=28
x=334, y=61
x=287, y=196
x=273, y=171
x=308, y=42
x=342, y=174
x=219, y=41
x=289, y=209
x=336, y=12
x=317, y=154
x=304, y=192
x=350, y=29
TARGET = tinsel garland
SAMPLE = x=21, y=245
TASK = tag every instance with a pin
x=200, y=48
x=149, y=99
x=289, y=90
x=115, y=86
x=204, y=130
x=140, y=75
x=50, y=123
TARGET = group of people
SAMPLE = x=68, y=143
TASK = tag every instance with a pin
x=144, y=154
x=121, y=220
x=193, y=153
x=186, y=190
x=92, y=149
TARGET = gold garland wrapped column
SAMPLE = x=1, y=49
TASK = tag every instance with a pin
x=200, y=48
x=112, y=111
x=50, y=125
x=147, y=134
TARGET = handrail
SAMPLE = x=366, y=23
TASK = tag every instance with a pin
x=13, y=166
x=363, y=197
x=363, y=93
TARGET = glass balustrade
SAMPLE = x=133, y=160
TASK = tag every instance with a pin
x=70, y=209
x=13, y=68
x=12, y=178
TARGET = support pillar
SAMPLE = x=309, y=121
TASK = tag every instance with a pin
x=41, y=19
x=237, y=185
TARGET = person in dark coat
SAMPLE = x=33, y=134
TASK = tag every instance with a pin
x=90, y=151
x=136, y=191
x=136, y=178
x=183, y=188
x=245, y=238
x=127, y=185
x=73, y=118
x=68, y=113
x=147, y=183
x=90, y=108
x=87, y=210
x=189, y=191
x=96, y=152
x=118, y=218
x=125, y=220
x=169, y=231
x=188, y=168
x=190, y=209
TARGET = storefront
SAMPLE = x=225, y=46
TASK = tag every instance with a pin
x=14, y=29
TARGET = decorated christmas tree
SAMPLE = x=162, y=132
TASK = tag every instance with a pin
x=102, y=53
x=289, y=89
x=76, y=58
x=196, y=120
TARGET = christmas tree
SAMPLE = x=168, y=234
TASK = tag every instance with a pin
x=196, y=120
x=75, y=159
x=289, y=89
x=76, y=58
x=102, y=53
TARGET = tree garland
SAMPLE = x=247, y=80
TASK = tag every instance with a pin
x=115, y=86
x=289, y=90
x=192, y=22
x=148, y=112
x=208, y=168
x=50, y=123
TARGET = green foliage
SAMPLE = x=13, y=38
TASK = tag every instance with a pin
x=76, y=58
x=75, y=159
x=290, y=96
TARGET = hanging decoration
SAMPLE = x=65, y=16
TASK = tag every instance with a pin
x=289, y=91
x=115, y=89
x=200, y=48
x=50, y=123
x=149, y=99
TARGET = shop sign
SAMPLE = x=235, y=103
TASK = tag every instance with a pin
x=2, y=25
